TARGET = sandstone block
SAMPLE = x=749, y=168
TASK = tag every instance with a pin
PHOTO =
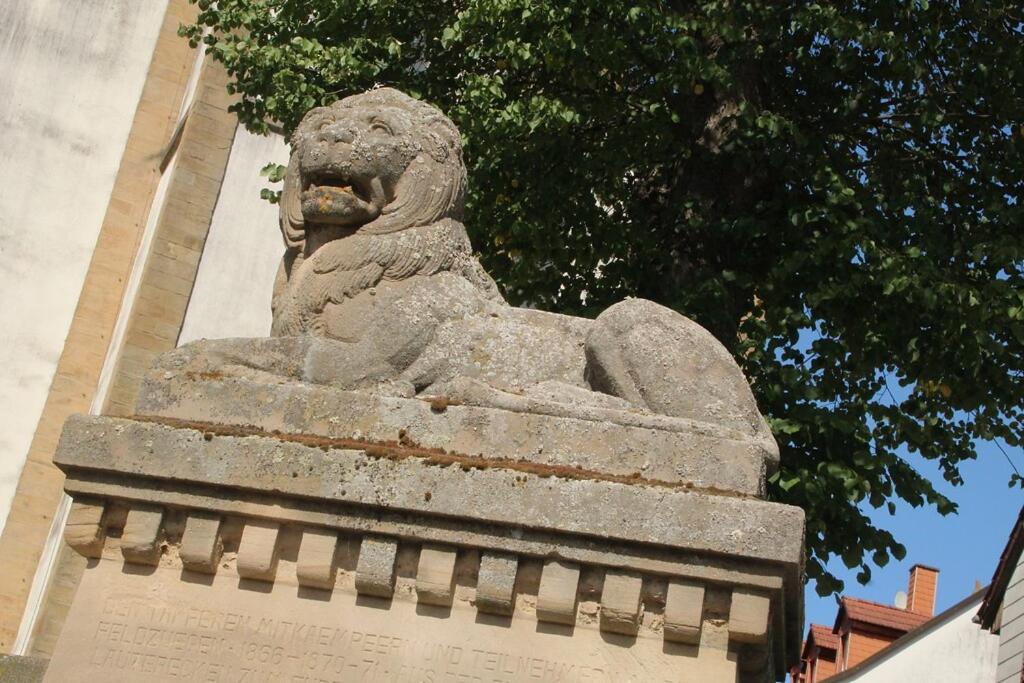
x=435, y=577
x=201, y=544
x=684, y=607
x=84, y=529
x=14, y=669
x=748, y=617
x=620, y=603
x=375, y=570
x=584, y=503
x=556, y=598
x=496, y=580
x=315, y=567
x=257, y=551
x=140, y=540
x=614, y=442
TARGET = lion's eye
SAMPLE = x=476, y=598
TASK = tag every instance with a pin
x=380, y=127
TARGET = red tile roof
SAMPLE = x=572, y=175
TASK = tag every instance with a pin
x=881, y=615
x=824, y=637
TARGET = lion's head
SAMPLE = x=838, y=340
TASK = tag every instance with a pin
x=373, y=163
x=374, y=192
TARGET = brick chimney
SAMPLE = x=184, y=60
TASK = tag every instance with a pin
x=921, y=589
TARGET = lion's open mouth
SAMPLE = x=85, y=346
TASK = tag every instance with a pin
x=335, y=198
x=329, y=182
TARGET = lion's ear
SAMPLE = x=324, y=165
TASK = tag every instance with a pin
x=442, y=139
x=293, y=228
x=436, y=147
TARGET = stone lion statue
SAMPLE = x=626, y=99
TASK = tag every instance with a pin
x=379, y=289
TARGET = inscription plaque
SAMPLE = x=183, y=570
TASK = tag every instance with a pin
x=155, y=624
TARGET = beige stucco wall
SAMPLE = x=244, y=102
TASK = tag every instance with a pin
x=71, y=74
x=231, y=296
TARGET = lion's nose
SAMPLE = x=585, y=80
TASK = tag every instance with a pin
x=333, y=134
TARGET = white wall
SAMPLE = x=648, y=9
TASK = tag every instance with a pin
x=71, y=73
x=956, y=651
x=231, y=296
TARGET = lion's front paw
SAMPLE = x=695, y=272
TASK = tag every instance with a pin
x=398, y=388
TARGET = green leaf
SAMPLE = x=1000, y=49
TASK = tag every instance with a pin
x=787, y=484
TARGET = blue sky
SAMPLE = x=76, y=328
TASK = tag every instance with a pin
x=964, y=547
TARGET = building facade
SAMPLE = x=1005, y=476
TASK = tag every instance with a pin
x=877, y=643
x=948, y=647
x=1001, y=611
x=130, y=203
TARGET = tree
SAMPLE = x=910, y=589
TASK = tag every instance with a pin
x=832, y=189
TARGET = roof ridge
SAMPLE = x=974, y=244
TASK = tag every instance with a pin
x=823, y=636
x=877, y=604
x=879, y=614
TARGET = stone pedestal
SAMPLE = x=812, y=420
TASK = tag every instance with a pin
x=244, y=530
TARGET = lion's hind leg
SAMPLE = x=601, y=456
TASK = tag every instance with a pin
x=658, y=359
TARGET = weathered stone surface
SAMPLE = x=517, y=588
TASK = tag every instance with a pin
x=384, y=490
x=201, y=545
x=526, y=428
x=375, y=573
x=748, y=616
x=620, y=603
x=714, y=648
x=401, y=404
x=556, y=597
x=315, y=567
x=258, y=551
x=684, y=609
x=140, y=540
x=345, y=638
x=652, y=356
x=84, y=529
x=495, y=588
x=378, y=262
x=537, y=543
x=435, y=576
x=15, y=669
x=728, y=525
